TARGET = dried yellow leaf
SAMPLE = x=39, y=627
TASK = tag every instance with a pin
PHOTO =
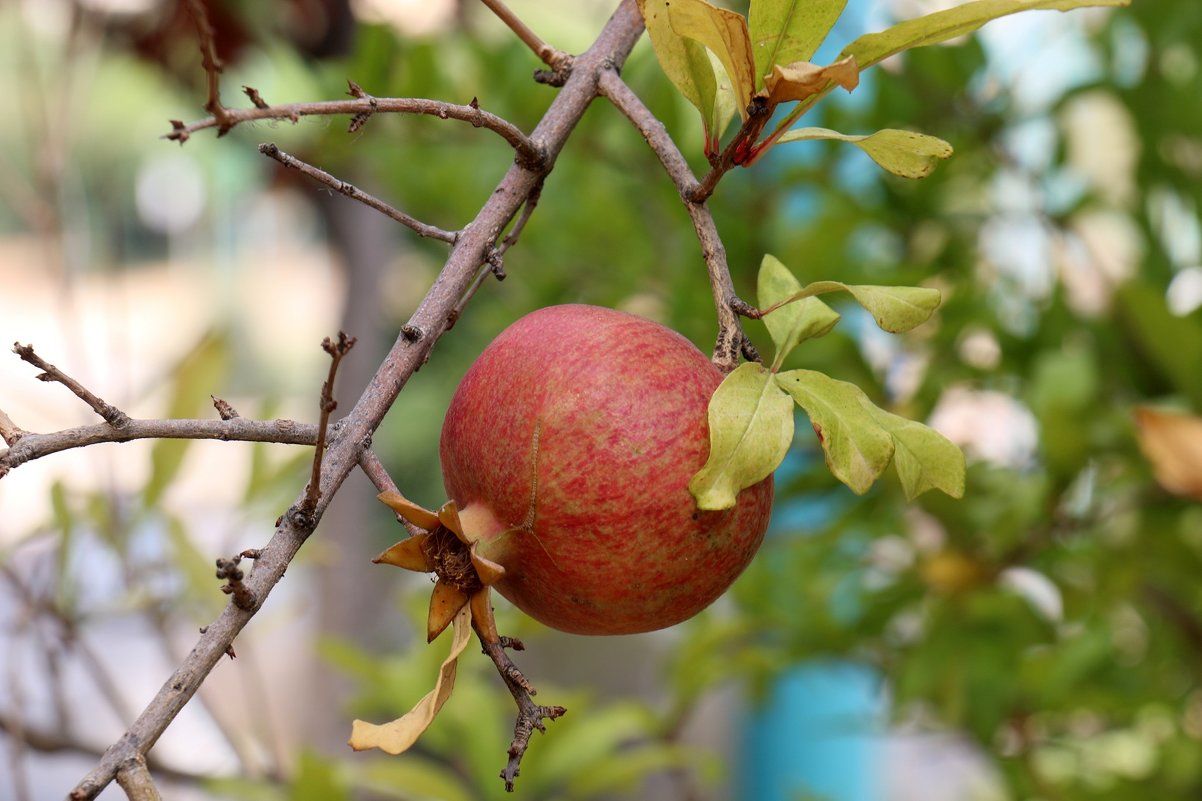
x=1172, y=442
x=400, y=734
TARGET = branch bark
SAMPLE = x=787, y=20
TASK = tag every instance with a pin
x=731, y=342
x=431, y=319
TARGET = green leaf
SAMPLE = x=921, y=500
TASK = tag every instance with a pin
x=686, y=63
x=857, y=449
x=943, y=25
x=904, y=153
x=896, y=309
x=784, y=31
x=751, y=427
x=725, y=33
x=924, y=458
x=791, y=323
x=410, y=777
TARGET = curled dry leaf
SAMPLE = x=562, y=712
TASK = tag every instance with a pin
x=400, y=734
x=801, y=79
x=1172, y=442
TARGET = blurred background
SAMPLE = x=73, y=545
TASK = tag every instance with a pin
x=1040, y=639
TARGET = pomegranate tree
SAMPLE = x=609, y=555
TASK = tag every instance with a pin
x=568, y=450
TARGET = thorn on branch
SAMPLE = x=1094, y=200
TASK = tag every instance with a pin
x=255, y=97
x=179, y=132
x=228, y=571
x=224, y=410
x=109, y=413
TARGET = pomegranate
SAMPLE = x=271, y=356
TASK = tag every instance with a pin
x=568, y=450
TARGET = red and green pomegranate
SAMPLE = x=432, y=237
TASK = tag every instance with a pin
x=568, y=450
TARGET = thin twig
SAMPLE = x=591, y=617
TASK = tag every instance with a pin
x=431, y=319
x=135, y=779
x=109, y=413
x=553, y=58
x=731, y=342
x=422, y=229
x=211, y=64
x=10, y=432
x=239, y=429
x=374, y=469
x=336, y=351
x=526, y=150
x=530, y=715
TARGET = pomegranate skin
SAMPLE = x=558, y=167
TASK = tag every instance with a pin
x=568, y=447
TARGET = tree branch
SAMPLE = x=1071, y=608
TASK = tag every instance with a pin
x=109, y=413
x=321, y=176
x=32, y=446
x=525, y=148
x=557, y=60
x=731, y=342
x=431, y=319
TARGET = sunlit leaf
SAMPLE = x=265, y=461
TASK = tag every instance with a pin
x=687, y=64
x=400, y=734
x=924, y=458
x=725, y=33
x=784, y=31
x=751, y=426
x=950, y=23
x=904, y=153
x=791, y=323
x=1172, y=442
x=801, y=79
x=895, y=308
x=857, y=449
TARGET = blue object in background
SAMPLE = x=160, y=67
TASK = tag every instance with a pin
x=818, y=734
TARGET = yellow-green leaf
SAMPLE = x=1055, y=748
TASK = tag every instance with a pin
x=400, y=734
x=924, y=458
x=725, y=33
x=950, y=23
x=895, y=308
x=857, y=449
x=904, y=153
x=791, y=323
x=784, y=31
x=687, y=64
x=801, y=79
x=751, y=426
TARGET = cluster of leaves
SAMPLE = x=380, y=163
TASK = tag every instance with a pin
x=724, y=63
x=751, y=413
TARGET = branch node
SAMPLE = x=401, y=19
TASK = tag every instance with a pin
x=360, y=119
x=228, y=571
x=412, y=333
